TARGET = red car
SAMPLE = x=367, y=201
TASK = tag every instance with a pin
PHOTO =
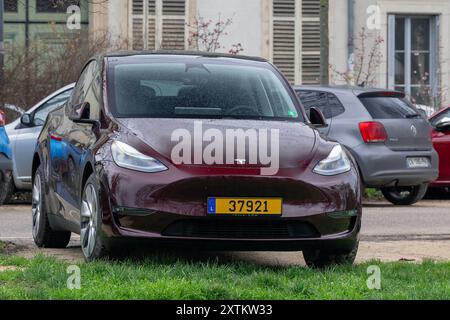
x=163, y=148
x=441, y=141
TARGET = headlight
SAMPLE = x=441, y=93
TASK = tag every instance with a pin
x=128, y=157
x=336, y=163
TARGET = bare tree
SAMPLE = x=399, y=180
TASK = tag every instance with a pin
x=34, y=72
x=366, y=61
x=206, y=34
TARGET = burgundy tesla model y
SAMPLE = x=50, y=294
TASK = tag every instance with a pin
x=196, y=150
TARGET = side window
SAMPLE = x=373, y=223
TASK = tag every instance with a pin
x=336, y=107
x=40, y=114
x=83, y=84
x=94, y=97
x=316, y=99
x=328, y=103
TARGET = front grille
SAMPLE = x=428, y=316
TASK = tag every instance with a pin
x=243, y=229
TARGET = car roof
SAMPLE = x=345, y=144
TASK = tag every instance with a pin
x=343, y=89
x=182, y=53
x=52, y=95
x=438, y=112
x=47, y=98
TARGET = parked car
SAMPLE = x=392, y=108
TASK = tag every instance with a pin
x=389, y=138
x=441, y=141
x=22, y=136
x=426, y=111
x=104, y=168
x=5, y=162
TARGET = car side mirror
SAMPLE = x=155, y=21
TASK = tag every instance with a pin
x=81, y=114
x=317, y=118
x=443, y=126
x=27, y=120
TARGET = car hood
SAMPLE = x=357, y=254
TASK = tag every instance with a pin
x=296, y=140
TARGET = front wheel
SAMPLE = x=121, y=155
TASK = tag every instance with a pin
x=405, y=196
x=90, y=237
x=323, y=258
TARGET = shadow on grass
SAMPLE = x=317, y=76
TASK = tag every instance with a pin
x=170, y=255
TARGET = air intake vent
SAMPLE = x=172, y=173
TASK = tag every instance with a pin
x=242, y=229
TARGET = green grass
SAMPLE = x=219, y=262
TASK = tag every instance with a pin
x=373, y=194
x=170, y=277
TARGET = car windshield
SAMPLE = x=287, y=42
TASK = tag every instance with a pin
x=199, y=90
x=389, y=107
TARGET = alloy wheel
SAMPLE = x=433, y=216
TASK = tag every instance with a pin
x=36, y=205
x=89, y=214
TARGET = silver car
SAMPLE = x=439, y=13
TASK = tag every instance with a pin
x=388, y=137
x=23, y=134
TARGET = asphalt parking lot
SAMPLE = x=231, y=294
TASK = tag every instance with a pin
x=389, y=233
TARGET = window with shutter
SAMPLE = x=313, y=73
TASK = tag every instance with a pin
x=158, y=24
x=311, y=41
x=138, y=24
x=284, y=42
x=173, y=24
x=296, y=39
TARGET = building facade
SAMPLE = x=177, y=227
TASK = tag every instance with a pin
x=284, y=31
x=39, y=20
x=415, y=52
x=408, y=40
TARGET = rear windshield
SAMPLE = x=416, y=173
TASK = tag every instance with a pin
x=389, y=107
x=199, y=90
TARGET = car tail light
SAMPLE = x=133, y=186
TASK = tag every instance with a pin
x=373, y=132
x=2, y=118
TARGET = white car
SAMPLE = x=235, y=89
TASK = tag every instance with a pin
x=429, y=111
x=23, y=134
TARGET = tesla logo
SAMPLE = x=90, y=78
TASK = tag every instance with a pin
x=241, y=161
x=414, y=130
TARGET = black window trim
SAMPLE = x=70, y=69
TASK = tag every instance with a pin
x=99, y=70
x=326, y=92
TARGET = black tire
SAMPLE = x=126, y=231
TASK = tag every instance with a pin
x=99, y=250
x=44, y=236
x=323, y=258
x=405, y=196
x=6, y=188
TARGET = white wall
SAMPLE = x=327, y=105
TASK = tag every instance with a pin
x=338, y=37
x=247, y=22
x=118, y=19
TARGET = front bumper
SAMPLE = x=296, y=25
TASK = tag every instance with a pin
x=383, y=167
x=171, y=208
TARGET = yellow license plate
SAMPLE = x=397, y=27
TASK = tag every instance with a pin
x=245, y=206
